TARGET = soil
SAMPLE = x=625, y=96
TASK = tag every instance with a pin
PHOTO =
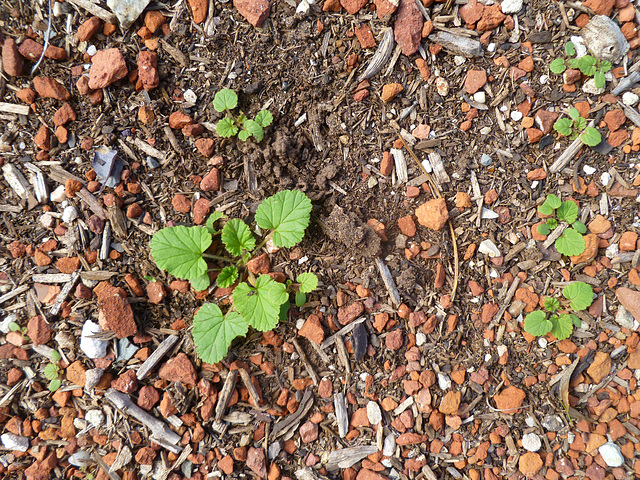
x=464, y=391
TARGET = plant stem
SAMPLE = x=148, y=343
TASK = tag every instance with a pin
x=215, y=257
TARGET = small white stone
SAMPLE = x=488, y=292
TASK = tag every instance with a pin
x=605, y=178
x=578, y=43
x=491, y=47
x=421, y=339
x=459, y=60
x=611, y=251
x=69, y=214
x=516, y=116
x=80, y=423
x=611, y=455
x=480, y=97
x=92, y=50
x=502, y=349
x=588, y=169
x=544, y=79
x=92, y=347
x=5, y=324
x=511, y=6
x=530, y=421
x=531, y=442
x=442, y=86
x=190, y=96
x=81, y=458
x=543, y=342
x=486, y=130
x=373, y=413
x=58, y=195
x=630, y=99
x=444, y=382
x=15, y=442
x=489, y=248
x=590, y=88
x=624, y=318
x=47, y=221
x=95, y=417
x=389, y=446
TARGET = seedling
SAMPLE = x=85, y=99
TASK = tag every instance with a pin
x=14, y=327
x=571, y=241
x=580, y=296
x=572, y=126
x=587, y=64
x=52, y=372
x=225, y=101
x=258, y=302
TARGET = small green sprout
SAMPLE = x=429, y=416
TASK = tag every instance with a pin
x=560, y=325
x=571, y=241
x=225, y=101
x=588, y=65
x=52, y=372
x=573, y=126
x=258, y=302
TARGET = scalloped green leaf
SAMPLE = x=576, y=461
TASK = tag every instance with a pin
x=568, y=211
x=225, y=99
x=604, y=66
x=557, y=66
x=226, y=127
x=178, y=250
x=201, y=283
x=264, y=118
x=599, y=79
x=213, y=332
x=562, y=326
x=591, y=137
x=237, y=237
x=213, y=218
x=563, y=126
x=580, y=294
x=227, y=276
x=587, y=65
x=543, y=229
x=574, y=113
x=51, y=371
x=570, y=243
x=308, y=282
x=570, y=49
x=255, y=129
x=287, y=213
x=536, y=323
x=580, y=124
x=260, y=305
x=244, y=135
x=551, y=304
x=553, y=201
x=552, y=223
x=579, y=227
x=54, y=385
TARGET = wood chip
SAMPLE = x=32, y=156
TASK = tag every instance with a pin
x=148, y=365
x=13, y=108
x=291, y=422
x=342, y=418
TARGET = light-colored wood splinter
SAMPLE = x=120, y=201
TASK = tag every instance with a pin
x=148, y=365
x=305, y=362
x=253, y=393
x=13, y=108
x=225, y=394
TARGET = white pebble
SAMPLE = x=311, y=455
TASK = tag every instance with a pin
x=486, y=130
x=190, y=96
x=69, y=214
x=611, y=454
x=58, y=195
x=516, y=116
x=9, y=319
x=491, y=47
x=605, y=178
x=94, y=417
x=544, y=79
x=15, y=442
x=531, y=442
x=442, y=86
x=480, y=97
x=511, y=6
x=92, y=347
x=588, y=169
x=543, y=342
x=373, y=413
x=421, y=339
x=92, y=50
x=630, y=99
x=47, y=221
x=389, y=446
x=459, y=60
x=489, y=248
x=590, y=88
x=444, y=382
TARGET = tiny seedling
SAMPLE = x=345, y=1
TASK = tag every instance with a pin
x=588, y=65
x=225, y=101
x=580, y=296
x=258, y=302
x=14, y=327
x=571, y=241
x=52, y=372
x=573, y=126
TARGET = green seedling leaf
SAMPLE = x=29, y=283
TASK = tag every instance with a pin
x=179, y=250
x=55, y=356
x=587, y=65
x=237, y=237
x=580, y=123
x=580, y=294
x=568, y=211
x=552, y=223
x=599, y=79
x=308, y=282
x=543, y=229
x=562, y=326
x=576, y=321
x=301, y=299
x=536, y=323
x=14, y=327
x=213, y=218
x=573, y=63
x=225, y=99
x=227, y=276
x=254, y=129
x=51, y=371
x=605, y=66
x=570, y=243
x=564, y=126
x=579, y=227
x=557, y=66
x=260, y=305
x=244, y=135
x=570, y=49
x=264, y=118
x=551, y=304
x=214, y=332
x=574, y=113
x=287, y=213
x=201, y=283
x=54, y=385
x=226, y=127
x=553, y=201
x=591, y=137
x=241, y=119
x=545, y=209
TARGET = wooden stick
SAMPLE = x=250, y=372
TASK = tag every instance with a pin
x=253, y=393
x=13, y=108
x=62, y=296
x=148, y=365
x=105, y=468
x=96, y=10
x=225, y=394
x=305, y=361
x=13, y=293
x=387, y=279
x=179, y=461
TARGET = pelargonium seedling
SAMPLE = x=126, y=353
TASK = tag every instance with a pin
x=571, y=241
x=587, y=64
x=52, y=372
x=560, y=325
x=225, y=101
x=258, y=302
x=575, y=126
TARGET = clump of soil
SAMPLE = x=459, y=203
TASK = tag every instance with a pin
x=348, y=230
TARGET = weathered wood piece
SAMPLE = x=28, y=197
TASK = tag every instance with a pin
x=291, y=422
x=148, y=365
